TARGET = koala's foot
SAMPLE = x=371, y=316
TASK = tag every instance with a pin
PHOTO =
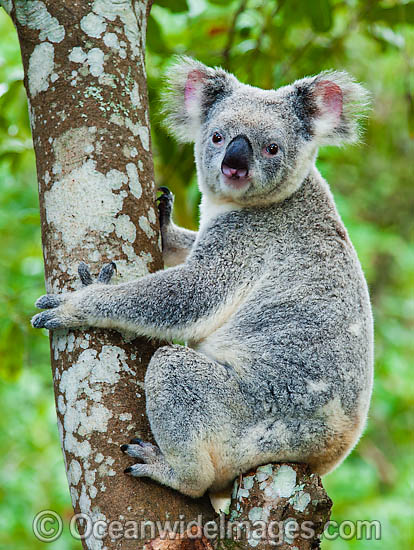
x=143, y=450
x=154, y=464
x=165, y=206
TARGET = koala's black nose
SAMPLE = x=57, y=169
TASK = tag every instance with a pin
x=238, y=157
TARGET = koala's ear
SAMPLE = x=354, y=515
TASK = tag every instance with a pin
x=193, y=89
x=332, y=103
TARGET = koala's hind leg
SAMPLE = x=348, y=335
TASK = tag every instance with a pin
x=191, y=401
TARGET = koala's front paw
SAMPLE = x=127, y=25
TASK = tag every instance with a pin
x=165, y=206
x=66, y=310
x=53, y=318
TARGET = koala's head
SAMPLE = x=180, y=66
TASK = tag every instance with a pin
x=255, y=146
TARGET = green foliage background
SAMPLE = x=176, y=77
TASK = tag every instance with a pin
x=267, y=44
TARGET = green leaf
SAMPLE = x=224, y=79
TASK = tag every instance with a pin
x=387, y=36
x=401, y=13
x=155, y=39
x=320, y=14
x=11, y=350
x=175, y=6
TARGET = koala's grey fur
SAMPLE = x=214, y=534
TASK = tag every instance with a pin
x=271, y=298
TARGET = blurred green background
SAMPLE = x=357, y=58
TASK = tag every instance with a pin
x=267, y=44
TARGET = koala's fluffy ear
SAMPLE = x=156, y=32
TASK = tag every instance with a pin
x=192, y=91
x=332, y=103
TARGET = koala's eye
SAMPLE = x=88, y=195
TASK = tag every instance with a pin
x=271, y=150
x=217, y=138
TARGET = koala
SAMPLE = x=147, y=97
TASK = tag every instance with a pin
x=268, y=295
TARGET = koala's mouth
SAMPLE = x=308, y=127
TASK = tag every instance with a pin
x=235, y=177
x=234, y=173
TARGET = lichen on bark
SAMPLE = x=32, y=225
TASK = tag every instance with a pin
x=282, y=505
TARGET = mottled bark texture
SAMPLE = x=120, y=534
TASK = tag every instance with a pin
x=280, y=505
x=86, y=86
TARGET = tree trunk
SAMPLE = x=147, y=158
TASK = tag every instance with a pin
x=277, y=505
x=282, y=505
x=86, y=86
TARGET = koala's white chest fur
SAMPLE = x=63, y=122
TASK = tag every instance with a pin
x=212, y=207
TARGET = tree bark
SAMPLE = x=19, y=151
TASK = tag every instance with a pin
x=282, y=505
x=86, y=86
x=277, y=505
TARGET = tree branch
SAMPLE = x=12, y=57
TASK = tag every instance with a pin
x=279, y=504
x=231, y=35
x=265, y=28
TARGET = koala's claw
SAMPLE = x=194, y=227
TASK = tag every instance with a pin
x=84, y=274
x=136, y=441
x=138, y=470
x=105, y=275
x=150, y=456
x=165, y=205
x=165, y=191
x=143, y=450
